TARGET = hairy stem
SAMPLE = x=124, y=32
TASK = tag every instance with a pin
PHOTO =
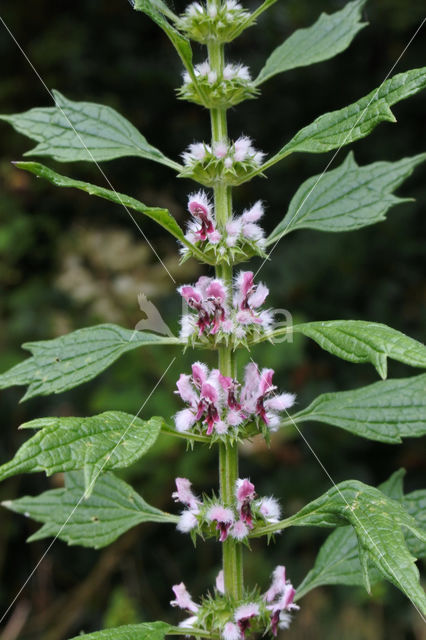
x=228, y=455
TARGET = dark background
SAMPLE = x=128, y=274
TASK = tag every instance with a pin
x=68, y=261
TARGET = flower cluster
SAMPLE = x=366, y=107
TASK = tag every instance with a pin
x=217, y=405
x=242, y=237
x=219, y=317
x=200, y=22
x=214, y=91
x=258, y=613
x=236, y=520
x=229, y=162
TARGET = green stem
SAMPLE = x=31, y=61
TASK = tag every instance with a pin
x=228, y=454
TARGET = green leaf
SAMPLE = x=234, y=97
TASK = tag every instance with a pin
x=361, y=341
x=415, y=504
x=160, y=216
x=72, y=131
x=112, y=509
x=338, y=128
x=346, y=198
x=144, y=631
x=65, y=362
x=386, y=411
x=111, y=440
x=378, y=522
x=328, y=36
x=338, y=559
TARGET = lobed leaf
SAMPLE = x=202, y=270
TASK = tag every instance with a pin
x=328, y=36
x=361, y=341
x=143, y=631
x=335, y=129
x=346, y=198
x=111, y=440
x=386, y=411
x=72, y=131
x=160, y=216
x=112, y=509
x=378, y=522
x=65, y=362
x=338, y=559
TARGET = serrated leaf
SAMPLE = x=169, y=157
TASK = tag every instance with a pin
x=378, y=522
x=72, y=131
x=386, y=411
x=338, y=559
x=144, y=631
x=112, y=509
x=328, y=36
x=111, y=440
x=160, y=216
x=65, y=362
x=338, y=128
x=361, y=341
x=346, y=198
x=415, y=504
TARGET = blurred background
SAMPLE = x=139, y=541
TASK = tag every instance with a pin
x=68, y=261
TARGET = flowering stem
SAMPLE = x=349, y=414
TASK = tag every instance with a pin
x=228, y=454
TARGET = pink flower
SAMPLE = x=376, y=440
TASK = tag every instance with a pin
x=239, y=530
x=270, y=509
x=244, y=614
x=245, y=490
x=220, y=149
x=245, y=494
x=278, y=583
x=184, y=494
x=254, y=214
x=200, y=209
x=256, y=393
x=184, y=420
x=231, y=632
x=220, y=582
x=223, y=517
x=281, y=595
x=187, y=521
x=231, y=386
x=183, y=599
x=249, y=297
x=242, y=149
x=208, y=298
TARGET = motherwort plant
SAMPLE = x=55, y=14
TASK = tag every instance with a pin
x=227, y=310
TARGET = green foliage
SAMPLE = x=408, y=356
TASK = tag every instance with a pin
x=161, y=216
x=386, y=411
x=338, y=559
x=378, y=522
x=344, y=126
x=346, y=198
x=144, y=631
x=360, y=341
x=113, y=508
x=349, y=197
x=65, y=362
x=72, y=131
x=111, y=440
x=330, y=35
